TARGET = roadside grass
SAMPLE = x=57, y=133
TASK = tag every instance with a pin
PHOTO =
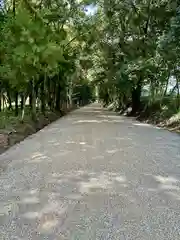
x=164, y=113
x=15, y=130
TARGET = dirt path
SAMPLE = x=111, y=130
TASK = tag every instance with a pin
x=92, y=175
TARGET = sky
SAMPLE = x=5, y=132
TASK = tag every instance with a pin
x=91, y=9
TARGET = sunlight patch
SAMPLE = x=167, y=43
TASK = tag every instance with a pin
x=37, y=154
x=30, y=200
x=166, y=179
x=100, y=183
x=31, y=215
x=49, y=222
x=98, y=157
x=120, y=179
x=112, y=151
x=70, y=142
x=170, y=187
x=142, y=124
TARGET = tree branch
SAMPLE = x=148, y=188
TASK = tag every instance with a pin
x=147, y=23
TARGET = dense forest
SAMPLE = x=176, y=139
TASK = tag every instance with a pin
x=42, y=54
x=57, y=53
x=137, y=55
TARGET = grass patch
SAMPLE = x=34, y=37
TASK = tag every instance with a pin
x=15, y=130
x=163, y=113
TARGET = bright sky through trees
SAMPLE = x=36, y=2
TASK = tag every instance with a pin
x=91, y=9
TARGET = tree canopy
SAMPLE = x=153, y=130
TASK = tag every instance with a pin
x=55, y=51
x=41, y=54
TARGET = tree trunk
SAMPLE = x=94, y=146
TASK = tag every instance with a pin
x=30, y=97
x=14, y=7
x=48, y=83
x=136, y=98
x=16, y=103
x=33, y=101
x=178, y=94
x=43, y=94
x=58, y=97
x=22, y=101
x=9, y=100
x=54, y=96
x=1, y=101
x=166, y=86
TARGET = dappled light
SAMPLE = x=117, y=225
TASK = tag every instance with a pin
x=30, y=200
x=82, y=175
x=113, y=116
x=170, y=186
x=84, y=183
x=70, y=142
x=61, y=153
x=48, y=223
x=38, y=158
x=139, y=124
x=112, y=151
x=98, y=157
x=88, y=182
x=166, y=180
x=66, y=190
x=53, y=210
x=98, y=121
x=85, y=89
x=142, y=124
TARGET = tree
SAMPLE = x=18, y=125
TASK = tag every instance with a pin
x=39, y=52
x=128, y=42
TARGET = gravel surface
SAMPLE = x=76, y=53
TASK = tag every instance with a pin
x=92, y=175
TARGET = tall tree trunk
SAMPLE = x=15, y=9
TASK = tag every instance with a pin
x=166, y=87
x=1, y=100
x=48, y=83
x=14, y=7
x=9, y=99
x=16, y=103
x=176, y=87
x=30, y=96
x=33, y=100
x=178, y=94
x=136, y=98
x=54, y=95
x=22, y=101
x=43, y=94
x=58, y=97
x=70, y=95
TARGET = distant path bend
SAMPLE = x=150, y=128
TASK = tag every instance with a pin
x=92, y=175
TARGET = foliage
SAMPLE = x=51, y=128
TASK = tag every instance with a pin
x=138, y=48
x=40, y=53
x=54, y=52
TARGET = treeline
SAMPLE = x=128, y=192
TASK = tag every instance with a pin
x=137, y=53
x=40, y=57
x=53, y=53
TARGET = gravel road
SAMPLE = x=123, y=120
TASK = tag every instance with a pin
x=92, y=175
